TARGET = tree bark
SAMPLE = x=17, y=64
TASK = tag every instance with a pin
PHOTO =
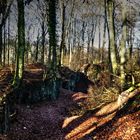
x=123, y=45
x=0, y=45
x=8, y=51
x=37, y=46
x=43, y=42
x=110, y=20
x=21, y=44
x=121, y=101
x=4, y=44
x=62, y=44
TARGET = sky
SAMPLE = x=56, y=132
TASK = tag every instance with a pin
x=33, y=24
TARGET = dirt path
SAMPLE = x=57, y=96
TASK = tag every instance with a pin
x=51, y=121
x=43, y=121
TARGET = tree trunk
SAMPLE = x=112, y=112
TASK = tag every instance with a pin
x=4, y=44
x=0, y=45
x=121, y=101
x=99, y=57
x=62, y=44
x=123, y=46
x=104, y=33
x=52, y=86
x=43, y=42
x=110, y=16
x=130, y=43
x=37, y=45
x=8, y=51
x=21, y=44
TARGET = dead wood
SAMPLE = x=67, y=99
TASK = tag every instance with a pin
x=123, y=99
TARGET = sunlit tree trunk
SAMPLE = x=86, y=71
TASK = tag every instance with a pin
x=123, y=44
x=62, y=44
x=110, y=5
x=104, y=32
x=21, y=44
x=99, y=36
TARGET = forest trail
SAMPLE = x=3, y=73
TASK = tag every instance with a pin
x=53, y=121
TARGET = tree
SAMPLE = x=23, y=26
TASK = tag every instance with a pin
x=123, y=44
x=52, y=34
x=43, y=19
x=52, y=86
x=62, y=44
x=111, y=27
x=4, y=12
x=21, y=44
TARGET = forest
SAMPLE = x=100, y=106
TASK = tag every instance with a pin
x=69, y=69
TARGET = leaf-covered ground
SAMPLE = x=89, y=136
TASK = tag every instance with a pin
x=51, y=121
x=54, y=121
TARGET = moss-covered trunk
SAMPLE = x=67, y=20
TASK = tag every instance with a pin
x=52, y=86
x=21, y=44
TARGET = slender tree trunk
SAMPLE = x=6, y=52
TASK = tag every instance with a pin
x=74, y=34
x=27, y=46
x=4, y=44
x=88, y=48
x=21, y=44
x=83, y=32
x=37, y=45
x=70, y=54
x=27, y=50
x=110, y=16
x=0, y=45
x=62, y=44
x=52, y=31
x=104, y=33
x=99, y=27
x=8, y=51
x=130, y=43
x=107, y=26
x=43, y=42
x=123, y=45
x=94, y=25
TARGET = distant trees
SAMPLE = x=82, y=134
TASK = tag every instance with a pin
x=4, y=12
x=42, y=17
x=74, y=31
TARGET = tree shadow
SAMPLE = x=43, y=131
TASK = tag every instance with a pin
x=109, y=126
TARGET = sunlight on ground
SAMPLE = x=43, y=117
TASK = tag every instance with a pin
x=67, y=121
x=82, y=129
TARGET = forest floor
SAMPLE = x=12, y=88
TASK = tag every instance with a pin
x=53, y=120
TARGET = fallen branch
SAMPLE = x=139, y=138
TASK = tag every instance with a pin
x=121, y=101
